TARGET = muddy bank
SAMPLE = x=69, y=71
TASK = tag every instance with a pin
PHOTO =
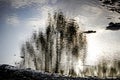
x=8, y=72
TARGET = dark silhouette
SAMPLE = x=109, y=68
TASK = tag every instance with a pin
x=113, y=26
x=90, y=31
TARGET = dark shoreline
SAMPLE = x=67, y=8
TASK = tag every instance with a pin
x=8, y=72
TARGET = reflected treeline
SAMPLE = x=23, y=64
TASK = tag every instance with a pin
x=104, y=69
x=60, y=49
